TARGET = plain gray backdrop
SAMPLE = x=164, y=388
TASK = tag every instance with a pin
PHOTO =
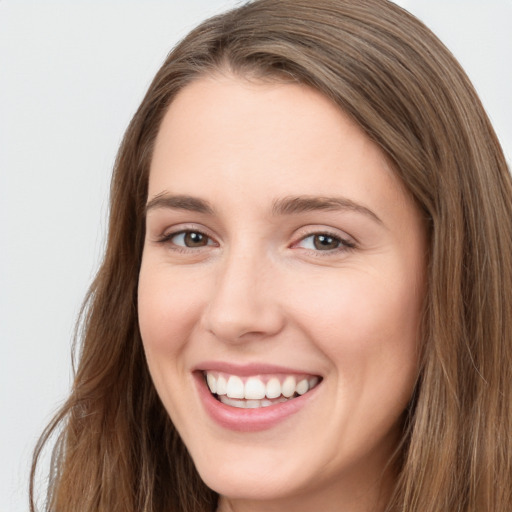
x=71, y=76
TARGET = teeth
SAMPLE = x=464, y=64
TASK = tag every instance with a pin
x=255, y=392
x=232, y=402
x=273, y=388
x=212, y=382
x=288, y=388
x=221, y=386
x=235, y=387
x=255, y=389
x=250, y=404
x=302, y=387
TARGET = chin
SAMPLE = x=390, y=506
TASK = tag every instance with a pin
x=260, y=484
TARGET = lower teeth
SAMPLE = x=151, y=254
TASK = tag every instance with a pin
x=251, y=404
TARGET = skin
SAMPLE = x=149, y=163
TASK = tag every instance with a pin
x=260, y=291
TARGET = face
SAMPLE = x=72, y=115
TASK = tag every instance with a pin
x=280, y=293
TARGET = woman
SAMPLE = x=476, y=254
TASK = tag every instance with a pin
x=305, y=297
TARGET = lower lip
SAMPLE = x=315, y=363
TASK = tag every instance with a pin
x=248, y=420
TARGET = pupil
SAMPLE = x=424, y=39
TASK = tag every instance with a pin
x=325, y=242
x=193, y=239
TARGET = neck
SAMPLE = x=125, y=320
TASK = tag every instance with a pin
x=373, y=498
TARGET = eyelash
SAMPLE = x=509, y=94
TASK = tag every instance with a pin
x=344, y=244
x=167, y=239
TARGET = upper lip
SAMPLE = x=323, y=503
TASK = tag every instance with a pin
x=245, y=370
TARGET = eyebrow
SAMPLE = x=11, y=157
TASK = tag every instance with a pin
x=303, y=204
x=285, y=206
x=179, y=202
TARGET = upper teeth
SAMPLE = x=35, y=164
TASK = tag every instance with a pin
x=257, y=387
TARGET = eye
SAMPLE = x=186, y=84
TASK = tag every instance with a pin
x=324, y=242
x=189, y=239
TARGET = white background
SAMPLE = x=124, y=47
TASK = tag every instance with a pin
x=71, y=76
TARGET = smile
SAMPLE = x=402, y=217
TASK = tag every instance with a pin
x=254, y=392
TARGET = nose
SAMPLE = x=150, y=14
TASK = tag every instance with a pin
x=244, y=304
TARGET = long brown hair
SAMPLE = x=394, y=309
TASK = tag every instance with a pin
x=117, y=448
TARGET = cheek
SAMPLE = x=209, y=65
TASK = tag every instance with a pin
x=167, y=315
x=167, y=309
x=366, y=323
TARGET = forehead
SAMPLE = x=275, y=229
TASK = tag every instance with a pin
x=252, y=137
